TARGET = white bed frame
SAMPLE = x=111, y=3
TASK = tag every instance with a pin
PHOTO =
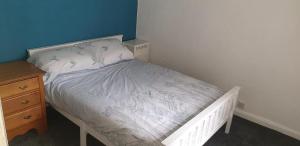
x=193, y=133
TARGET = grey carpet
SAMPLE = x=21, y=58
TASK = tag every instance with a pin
x=62, y=132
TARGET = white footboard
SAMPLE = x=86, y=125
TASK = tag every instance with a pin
x=199, y=129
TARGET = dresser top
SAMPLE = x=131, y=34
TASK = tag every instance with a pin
x=17, y=70
x=135, y=42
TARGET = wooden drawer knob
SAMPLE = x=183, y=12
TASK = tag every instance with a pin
x=25, y=102
x=27, y=117
x=23, y=87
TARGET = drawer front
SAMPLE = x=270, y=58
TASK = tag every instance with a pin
x=21, y=102
x=142, y=54
x=22, y=118
x=19, y=87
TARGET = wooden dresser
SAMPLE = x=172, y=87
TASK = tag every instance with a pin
x=22, y=96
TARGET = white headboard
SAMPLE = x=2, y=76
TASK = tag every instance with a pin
x=36, y=50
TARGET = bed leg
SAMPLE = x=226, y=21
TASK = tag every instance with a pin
x=83, y=135
x=235, y=98
x=229, y=121
x=228, y=124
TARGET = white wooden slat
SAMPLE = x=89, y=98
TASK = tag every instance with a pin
x=220, y=114
x=202, y=131
x=196, y=133
x=189, y=140
x=215, y=120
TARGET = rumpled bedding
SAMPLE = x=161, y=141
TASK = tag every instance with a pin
x=131, y=103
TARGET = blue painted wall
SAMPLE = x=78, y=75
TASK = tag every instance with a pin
x=35, y=23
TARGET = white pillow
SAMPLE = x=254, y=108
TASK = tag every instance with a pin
x=107, y=51
x=63, y=60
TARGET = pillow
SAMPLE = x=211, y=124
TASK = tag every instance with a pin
x=107, y=51
x=63, y=60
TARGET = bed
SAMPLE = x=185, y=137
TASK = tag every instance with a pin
x=135, y=103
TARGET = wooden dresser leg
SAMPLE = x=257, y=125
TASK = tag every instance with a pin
x=41, y=130
x=40, y=127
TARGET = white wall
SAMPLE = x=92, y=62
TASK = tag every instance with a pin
x=251, y=43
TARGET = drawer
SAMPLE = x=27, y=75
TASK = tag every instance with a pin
x=22, y=118
x=21, y=102
x=19, y=87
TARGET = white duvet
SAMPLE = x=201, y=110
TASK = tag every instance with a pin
x=131, y=103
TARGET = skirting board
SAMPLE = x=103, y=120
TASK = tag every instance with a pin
x=268, y=123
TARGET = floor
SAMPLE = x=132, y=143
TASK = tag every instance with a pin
x=62, y=132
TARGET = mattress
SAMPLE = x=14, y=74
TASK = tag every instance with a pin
x=131, y=103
